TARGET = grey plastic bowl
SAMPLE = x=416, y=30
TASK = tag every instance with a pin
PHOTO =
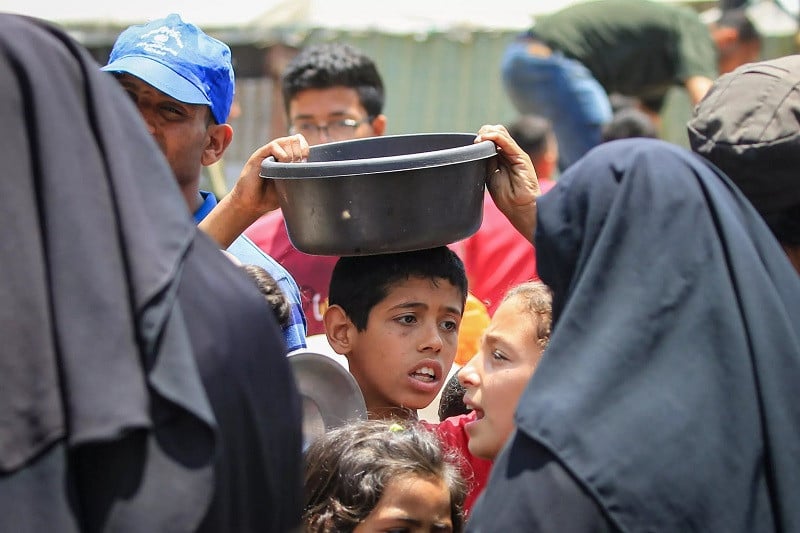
x=383, y=194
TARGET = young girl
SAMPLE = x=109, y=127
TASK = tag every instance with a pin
x=494, y=380
x=378, y=476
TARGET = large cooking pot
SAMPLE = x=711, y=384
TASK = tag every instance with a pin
x=383, y=194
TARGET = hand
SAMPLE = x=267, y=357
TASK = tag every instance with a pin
x=256, y=195
x=512, y=180
x=697, y=87
x=252, y=196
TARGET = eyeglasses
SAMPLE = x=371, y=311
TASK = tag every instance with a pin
x=338, y=130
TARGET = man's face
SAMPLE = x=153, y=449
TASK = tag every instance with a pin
x=403, y=356
x=181, y=130
x=333, y=114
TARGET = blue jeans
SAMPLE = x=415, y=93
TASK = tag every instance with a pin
x=562, y=90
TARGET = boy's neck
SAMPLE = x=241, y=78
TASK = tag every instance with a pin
x=392, y=413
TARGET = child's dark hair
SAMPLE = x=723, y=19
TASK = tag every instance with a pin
x=451, y=402
x=359, y=283
x=273, y=294
x=327, y=65
x=531, y=133
x=627, y=123
x=738, y=19
x=349, y=468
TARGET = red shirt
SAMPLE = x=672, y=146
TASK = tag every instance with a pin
x=311, y=272
x=474, y=469
x=497, y=257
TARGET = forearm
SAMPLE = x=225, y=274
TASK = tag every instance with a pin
x=697, y=87
x=524, y=220
x=227, y=221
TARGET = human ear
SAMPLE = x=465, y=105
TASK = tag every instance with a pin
x=725, y=37
x=339, y=329
x=379, y=124
x=218, y=138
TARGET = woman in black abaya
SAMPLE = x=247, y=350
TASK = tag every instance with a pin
x=666, y=400
x=143, y=385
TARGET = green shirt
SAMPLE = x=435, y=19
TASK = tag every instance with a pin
x=633, y=47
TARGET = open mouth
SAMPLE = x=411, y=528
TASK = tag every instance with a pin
x=424, y=374
x=472, y=407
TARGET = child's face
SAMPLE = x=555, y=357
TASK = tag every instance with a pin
x=403, y=356
x=497, y=375
x=411, y=504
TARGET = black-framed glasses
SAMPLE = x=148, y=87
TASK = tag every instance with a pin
x=336, y=130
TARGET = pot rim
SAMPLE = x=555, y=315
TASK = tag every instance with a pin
x=379, y=165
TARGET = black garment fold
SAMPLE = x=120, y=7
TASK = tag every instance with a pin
x=108, y=418
x=667, y=390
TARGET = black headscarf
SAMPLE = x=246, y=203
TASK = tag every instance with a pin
x=113, y=410
x=668, y=389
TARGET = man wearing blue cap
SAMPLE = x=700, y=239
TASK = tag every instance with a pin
x=182, y=81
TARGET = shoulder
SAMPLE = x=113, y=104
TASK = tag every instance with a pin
x=247, y=252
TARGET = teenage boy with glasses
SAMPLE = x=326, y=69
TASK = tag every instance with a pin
x=331, y=92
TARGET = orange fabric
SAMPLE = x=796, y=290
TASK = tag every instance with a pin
x=473, y=324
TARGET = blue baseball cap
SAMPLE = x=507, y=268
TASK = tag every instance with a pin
x=178, y=59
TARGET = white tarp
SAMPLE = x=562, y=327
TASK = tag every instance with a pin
x=396, y=16
x=399, y=16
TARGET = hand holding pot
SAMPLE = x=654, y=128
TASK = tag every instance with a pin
x=252, y=196
x=512, y=182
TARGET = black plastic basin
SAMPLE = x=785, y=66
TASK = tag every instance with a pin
x=383, y=194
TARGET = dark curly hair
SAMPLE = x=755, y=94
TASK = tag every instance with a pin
x=348, y=469
x=272, y=293
x=322, y=66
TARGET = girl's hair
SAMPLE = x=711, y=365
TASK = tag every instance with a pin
x=537, y=299
x=348, y=469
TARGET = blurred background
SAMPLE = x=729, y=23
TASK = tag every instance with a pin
x=440, y=59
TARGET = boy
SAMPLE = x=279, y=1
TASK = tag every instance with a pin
x=396, y=318
x=331, y=92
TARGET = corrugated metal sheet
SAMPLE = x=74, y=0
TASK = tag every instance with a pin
x=435, y=82
x=441, y=82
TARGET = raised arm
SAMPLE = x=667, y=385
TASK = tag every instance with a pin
x=512, y=182
x=252, y=196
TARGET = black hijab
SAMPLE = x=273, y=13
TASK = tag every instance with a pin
x=129, y=399
x=89, y=251
x=668, y=389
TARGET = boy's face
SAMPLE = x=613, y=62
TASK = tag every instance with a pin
x=332, y=114
x=497, y=375
x=403, y=356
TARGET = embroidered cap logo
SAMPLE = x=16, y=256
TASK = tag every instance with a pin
x=156, y=41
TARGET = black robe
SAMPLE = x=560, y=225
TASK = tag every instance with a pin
x=143, y=383
x=666, y=400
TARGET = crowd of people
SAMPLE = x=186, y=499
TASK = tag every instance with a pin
x=617, y=344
